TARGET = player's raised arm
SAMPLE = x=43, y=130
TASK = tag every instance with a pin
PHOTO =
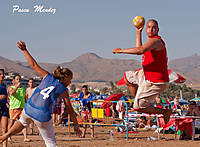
x=22, y=46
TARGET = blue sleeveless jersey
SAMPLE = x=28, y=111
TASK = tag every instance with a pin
x=85, y=101
x=41, y=104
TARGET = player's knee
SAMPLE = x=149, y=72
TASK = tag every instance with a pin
x=4, y=130
x=131, y=85
x=139, y=106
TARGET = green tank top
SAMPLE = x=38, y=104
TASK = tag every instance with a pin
x=18, y=99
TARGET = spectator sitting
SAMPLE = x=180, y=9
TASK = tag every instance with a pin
x=193, y=109
x=186, y=125
x=177, y=108
x=142, y=122
x=158, y=103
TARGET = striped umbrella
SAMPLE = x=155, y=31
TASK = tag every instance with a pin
x=197, y=99
x=175, y=77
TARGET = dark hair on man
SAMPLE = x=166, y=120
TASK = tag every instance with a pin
x=193, y=103
x=60, y=73
x=155, y=21
x=31, y=79
x=166, y=107
x=1, y=69
x=85, y=86
x=143, y=118
x=16, y=75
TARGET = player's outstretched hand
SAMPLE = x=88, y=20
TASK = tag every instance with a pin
x=77, y=131
x=21, y=45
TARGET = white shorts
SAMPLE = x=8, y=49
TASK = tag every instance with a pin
x=45, y=128
x=146, y=91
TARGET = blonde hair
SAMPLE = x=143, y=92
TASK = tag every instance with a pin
x=60, y=73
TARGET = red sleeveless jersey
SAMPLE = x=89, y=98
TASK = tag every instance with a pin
x=155, y=65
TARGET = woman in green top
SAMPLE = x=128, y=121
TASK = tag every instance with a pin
x=17, y=95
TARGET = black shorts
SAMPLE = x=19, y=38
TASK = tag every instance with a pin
x=4, y=111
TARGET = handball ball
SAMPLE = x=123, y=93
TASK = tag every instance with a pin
x=138, y=21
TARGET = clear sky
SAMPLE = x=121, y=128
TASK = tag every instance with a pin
x=98, y=26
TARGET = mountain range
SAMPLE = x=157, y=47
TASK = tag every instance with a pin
x=91, y=67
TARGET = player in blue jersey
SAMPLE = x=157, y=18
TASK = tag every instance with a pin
x=4, y=111
x=40, y=105
x=85, y=98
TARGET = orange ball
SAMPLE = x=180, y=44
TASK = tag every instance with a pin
x=138, y=21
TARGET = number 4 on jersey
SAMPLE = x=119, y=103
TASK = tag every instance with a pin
x=45, y=92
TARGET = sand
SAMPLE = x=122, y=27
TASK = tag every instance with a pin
x=102, y=139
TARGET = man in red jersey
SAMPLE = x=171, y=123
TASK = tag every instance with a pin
x=144, y=84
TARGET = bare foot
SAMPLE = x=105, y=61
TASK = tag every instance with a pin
x=132, y=110
x=82, y=136
x=27, y=140
x=9, y=139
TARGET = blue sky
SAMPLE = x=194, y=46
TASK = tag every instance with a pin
x=98, y=26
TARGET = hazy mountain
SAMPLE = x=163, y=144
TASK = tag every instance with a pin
x=89, y=67
x=15, y=66
x=189, y=67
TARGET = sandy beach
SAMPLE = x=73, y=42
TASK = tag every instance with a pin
x=102, y=139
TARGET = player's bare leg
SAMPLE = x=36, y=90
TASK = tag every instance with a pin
x=133, y=90
x=152, y=110
x=16, y=128
x=131, y=87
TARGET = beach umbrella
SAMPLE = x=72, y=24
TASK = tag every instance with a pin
x=114, y=97
x=121, y=82
x=173, y=77
x=181, y=102
x=197, y=99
